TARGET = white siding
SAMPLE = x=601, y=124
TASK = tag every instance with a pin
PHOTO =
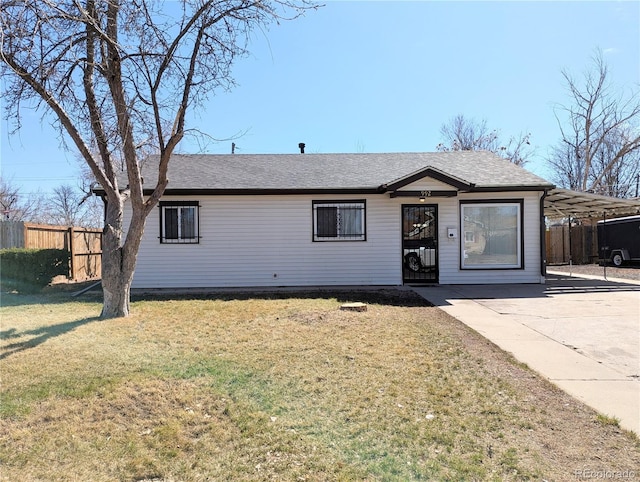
x=267, y=241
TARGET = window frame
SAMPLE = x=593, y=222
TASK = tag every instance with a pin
x=338, y=204
x=163, y=206
x=519, y=204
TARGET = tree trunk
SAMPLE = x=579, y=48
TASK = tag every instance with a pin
x=116, y=291
x=118, y=259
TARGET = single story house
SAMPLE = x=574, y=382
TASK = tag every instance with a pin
x=273, y=220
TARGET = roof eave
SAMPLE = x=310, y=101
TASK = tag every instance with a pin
x=511, y=188
x=264, y=191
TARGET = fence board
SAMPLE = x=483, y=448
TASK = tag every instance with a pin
x=87, y=253
x=45, y=236
x=11, y=234
x=580, y=248
x=557, y=245
x=84, y=245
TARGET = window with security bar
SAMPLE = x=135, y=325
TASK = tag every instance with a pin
x=179, y=222
x=339, y=221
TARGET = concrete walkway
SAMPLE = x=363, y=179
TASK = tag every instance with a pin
x=582, y=334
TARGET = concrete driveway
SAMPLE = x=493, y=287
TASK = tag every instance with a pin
x=582, y=334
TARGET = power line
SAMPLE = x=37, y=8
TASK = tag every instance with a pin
x=35, y=179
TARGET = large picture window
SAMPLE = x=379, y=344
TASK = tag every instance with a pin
x=339, y=221
x=492, y=235
x=179, y=222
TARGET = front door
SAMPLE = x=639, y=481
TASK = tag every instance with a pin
x=420, y=243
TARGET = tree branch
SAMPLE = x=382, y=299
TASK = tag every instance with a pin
x=65, y=120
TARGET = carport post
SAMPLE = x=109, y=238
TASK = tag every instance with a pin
x=604, y=242
x=543, y=239
x=570, y=253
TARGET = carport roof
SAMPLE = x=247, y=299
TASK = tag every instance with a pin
x=564, y=203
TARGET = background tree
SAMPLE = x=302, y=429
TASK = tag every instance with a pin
x=16, y=206
x=65, y=206
x=69, y=206
x=120, y=77
x=599, y=150
x=462, y=134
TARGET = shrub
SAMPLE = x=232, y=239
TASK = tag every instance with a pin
x=36, y=267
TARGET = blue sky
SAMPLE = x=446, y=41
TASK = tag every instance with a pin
x=382, y=76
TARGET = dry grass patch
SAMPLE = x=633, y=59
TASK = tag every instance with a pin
x=280, y=389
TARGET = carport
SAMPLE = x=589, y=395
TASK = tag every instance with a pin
x=564, y=203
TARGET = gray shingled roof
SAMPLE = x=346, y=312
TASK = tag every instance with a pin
x=334, y=171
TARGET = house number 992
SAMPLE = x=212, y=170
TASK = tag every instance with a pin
x=425, y=193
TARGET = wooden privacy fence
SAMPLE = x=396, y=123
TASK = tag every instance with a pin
x=581, y=246
x=84, y=245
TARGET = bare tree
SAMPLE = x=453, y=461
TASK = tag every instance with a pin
x=16, y=206
x=617, y=179
x=71, y=206
x=600, y=146
x=518, y=149
x=463, y=134
x=65, y=207
x=120, y=77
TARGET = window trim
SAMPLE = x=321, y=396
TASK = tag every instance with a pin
x=338, y=238
x=519, y=203
x=162, y=206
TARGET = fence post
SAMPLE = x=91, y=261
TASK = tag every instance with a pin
x=72, y=264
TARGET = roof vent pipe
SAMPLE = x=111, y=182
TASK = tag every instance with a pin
x=301, y=146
